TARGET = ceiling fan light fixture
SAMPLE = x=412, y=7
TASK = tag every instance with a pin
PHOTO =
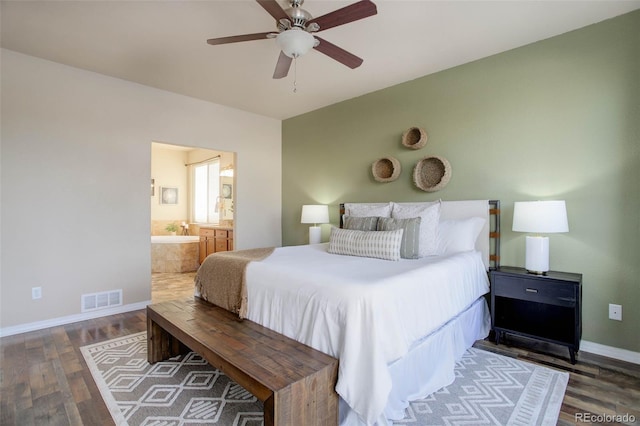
x=295, y=42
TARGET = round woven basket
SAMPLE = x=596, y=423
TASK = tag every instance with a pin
x=386, y=169
x=414, y=138
x=431, y=174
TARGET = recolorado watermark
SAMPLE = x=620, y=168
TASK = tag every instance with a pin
x=604, y=418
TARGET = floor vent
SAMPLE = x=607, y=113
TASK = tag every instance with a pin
x=106, y=299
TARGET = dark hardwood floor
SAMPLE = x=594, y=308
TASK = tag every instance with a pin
x=45, y=381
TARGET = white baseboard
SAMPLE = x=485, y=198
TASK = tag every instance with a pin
x=39, y=325
x=610, y=351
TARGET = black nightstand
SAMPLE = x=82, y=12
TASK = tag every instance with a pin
x=545, y=307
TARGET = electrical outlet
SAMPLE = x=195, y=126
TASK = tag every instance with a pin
x=615, y=312
x=36, y=293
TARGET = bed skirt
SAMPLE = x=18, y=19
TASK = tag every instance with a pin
x=429, y=366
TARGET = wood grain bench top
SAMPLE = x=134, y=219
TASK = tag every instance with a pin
x=278, y=370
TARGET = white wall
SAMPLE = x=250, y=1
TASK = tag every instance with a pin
x=75, y=169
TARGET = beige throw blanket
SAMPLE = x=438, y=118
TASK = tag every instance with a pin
x=221, y=278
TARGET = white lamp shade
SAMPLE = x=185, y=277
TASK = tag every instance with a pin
x=540, y=217
x=295, y=42
x=313, y=213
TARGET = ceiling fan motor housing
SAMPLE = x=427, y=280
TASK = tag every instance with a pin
x=299, y=16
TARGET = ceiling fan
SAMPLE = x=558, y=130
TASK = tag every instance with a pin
x=295, y=32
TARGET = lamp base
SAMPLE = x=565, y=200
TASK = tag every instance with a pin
x=537, y=255
x=315, y=235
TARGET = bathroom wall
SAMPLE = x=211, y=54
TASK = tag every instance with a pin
x=168, y=170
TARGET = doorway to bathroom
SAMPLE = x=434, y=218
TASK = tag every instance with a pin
x=192, y=192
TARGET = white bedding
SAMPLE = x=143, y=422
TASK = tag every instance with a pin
x=365, y=312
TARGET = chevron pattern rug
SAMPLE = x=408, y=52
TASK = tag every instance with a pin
x=489, y=389
x=184, y=390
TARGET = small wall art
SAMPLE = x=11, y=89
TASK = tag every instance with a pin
x=432, y=173
x=386, y=169
x=227, y=190
x=414, y=138
x=168, y=195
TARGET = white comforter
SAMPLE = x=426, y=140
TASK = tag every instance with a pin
x=365, y=312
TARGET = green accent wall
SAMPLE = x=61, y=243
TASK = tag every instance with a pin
x=557, y=119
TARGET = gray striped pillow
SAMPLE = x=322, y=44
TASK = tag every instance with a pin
x=410, y=247
x=369, y=223
x=377, y=244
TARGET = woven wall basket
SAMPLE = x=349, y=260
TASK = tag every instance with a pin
x=414, y=138
x=386, y=169
x=431, y=174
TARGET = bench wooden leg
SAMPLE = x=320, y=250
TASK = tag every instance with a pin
x=269, y=411
x=160, y=344
x=312, y=401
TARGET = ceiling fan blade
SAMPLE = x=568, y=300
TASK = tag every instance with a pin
x=273, y=8
x=238, y=38
x=354, y=12
x=282, y=66
x=338, y=53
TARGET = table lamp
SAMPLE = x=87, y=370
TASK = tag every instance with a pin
x=540, y=217
x=315, y=214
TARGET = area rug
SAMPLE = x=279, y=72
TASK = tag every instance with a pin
x=489, y=389
x=184, y=390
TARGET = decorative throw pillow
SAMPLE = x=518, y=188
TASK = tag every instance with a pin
x=369, y=223
x=378, y=244
x=455, y=236
x=429, y=213
x=367, y=209
x=409, y=249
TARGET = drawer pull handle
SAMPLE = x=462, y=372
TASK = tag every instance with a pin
x=531, y=290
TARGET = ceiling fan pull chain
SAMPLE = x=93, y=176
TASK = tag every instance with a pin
x=295, y=74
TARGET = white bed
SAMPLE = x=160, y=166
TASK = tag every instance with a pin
x=397, y=327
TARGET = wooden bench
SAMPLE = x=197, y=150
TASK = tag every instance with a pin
x=295, y=382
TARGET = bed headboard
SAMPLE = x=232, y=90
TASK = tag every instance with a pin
x=489, y=239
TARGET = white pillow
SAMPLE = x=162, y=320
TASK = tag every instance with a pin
x=429, y=213
x=367, y=209
x=455, y=236
x=378, y=244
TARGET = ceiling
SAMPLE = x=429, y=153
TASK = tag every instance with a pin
x=163, y=43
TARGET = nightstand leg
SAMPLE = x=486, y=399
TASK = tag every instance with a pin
x=572, y=354
x=497, y=337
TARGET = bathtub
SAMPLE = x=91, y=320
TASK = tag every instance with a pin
x=174, y=253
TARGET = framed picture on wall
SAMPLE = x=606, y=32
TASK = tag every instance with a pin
x=168, y=195
x=227, y=190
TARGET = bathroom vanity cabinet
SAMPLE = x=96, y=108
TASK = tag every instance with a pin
x=215, y=239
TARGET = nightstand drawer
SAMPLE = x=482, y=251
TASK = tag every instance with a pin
x=535, y=290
